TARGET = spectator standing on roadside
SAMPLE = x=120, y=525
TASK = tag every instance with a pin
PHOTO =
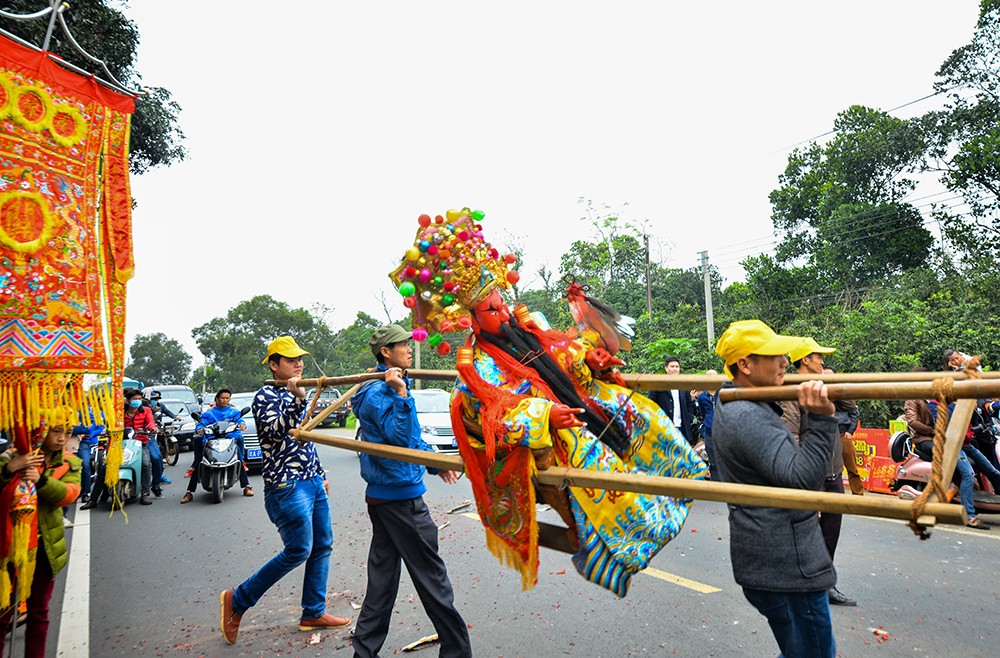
x=808, y=359
x=677, y=404
x=778, y=555
x=848, y=420
x=295, y=498
x=705, y=402
x=56, y=475
x=402, y=528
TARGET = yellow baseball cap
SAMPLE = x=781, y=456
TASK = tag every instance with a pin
x=807, y=347
x=285, y=346
x=747, y=337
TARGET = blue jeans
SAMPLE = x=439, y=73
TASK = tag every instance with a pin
x=301, y=511
x=984, y=465
x=800, y=621
x=964, y=469
x=147, y=470
x=83, y=452
x=156, y=462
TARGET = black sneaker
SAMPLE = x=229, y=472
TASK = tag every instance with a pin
x=144, y=500
x=158, y=492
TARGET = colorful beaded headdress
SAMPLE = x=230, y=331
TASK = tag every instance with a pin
x=448, y=271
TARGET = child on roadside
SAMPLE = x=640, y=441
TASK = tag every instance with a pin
x=56, y=475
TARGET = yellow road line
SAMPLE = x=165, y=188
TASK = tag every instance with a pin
x=680, y=580
x=952, y=528
x=655, y=573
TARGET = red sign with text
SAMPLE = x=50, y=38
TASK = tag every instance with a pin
x=875, y=464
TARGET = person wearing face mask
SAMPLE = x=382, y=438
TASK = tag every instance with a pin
x=530, y=397
x=140, y=418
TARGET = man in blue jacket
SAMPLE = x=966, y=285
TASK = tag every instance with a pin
x=778, y=555
x=225, y=412
x=402, y=528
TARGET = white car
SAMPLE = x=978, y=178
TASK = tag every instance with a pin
x=435, y=419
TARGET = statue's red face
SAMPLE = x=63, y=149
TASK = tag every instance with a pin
x=491, y=313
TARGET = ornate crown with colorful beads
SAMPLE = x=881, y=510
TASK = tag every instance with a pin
x=448, y=271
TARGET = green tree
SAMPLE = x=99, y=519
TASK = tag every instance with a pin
x=234, y=344
x=104, y=32
x=965, y=137
x=840, y=206
x=158, y=360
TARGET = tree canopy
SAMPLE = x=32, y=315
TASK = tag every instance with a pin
x=104, y=32
x=157, y=360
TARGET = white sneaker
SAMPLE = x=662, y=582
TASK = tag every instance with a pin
x=67, y=523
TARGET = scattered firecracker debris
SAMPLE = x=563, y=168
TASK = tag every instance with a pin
x=879, y=633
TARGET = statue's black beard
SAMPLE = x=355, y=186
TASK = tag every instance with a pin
x=524, y=347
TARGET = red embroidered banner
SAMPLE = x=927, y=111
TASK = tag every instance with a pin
x=63, y=154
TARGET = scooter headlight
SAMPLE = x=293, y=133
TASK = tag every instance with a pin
x=222, y=444
x=127, y=455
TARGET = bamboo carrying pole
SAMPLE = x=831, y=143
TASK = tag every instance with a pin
x=337, y=404
x=660, y=382
x=331, y=381
x=976, y=388
x=726, y=492
x=886, y=386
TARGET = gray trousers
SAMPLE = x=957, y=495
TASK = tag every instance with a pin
x=403, y=531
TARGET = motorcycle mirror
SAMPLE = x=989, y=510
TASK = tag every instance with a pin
x=244, y=411
x=196, y=415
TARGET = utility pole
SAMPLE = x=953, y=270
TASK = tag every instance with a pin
x=709, y=318
x=649, y=297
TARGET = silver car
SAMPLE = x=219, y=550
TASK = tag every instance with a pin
x=435, y=419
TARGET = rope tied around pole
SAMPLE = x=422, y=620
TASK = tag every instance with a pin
x=944, y=391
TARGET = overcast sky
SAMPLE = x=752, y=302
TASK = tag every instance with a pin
x=319, y=130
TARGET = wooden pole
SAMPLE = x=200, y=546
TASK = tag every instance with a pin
x=727, y=492
x=954, y=438
x=976, y=388
x=337, y=404
x=330, y=381
x=662, y=382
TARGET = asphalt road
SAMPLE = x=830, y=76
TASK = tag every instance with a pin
x=154, y=585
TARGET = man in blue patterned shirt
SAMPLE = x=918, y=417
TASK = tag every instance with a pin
x=295, y=498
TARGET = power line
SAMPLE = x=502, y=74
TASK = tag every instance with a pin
x=867, y=215
x=834, y=131
x=848, y=229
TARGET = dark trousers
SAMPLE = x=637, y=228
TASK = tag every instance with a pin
x=829, y=524
x=83, y=452
x=37, y=628
x=403, y=531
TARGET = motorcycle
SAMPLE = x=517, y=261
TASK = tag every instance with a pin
x=220, y=457
x=914, y=474
x=168, y=442
x=130, y=472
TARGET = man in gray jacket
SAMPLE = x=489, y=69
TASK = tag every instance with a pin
x=778, y=555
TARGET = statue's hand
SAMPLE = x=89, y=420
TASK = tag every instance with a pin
x=563, y=416
x=600, y=359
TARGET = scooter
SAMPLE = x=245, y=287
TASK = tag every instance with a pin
x=914, y=474
x=130, y=472
x=220, y=457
